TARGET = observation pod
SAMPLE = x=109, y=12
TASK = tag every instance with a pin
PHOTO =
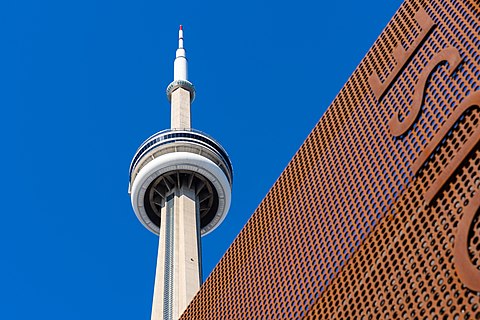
x=176, y=158
x=180, y=187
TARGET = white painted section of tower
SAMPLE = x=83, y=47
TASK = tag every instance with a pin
x=180, y=66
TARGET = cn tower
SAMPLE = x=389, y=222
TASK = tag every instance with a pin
x=180, y=188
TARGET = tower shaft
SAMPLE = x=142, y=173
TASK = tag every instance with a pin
x=180, y=104
x=178, y=274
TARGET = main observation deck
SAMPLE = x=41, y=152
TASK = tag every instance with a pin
x=174, y=157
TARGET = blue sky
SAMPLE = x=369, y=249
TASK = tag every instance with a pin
x=83, y=84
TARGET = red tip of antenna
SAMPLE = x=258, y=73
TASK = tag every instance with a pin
x=181, y=27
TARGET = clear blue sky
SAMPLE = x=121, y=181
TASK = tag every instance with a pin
x=83, y=84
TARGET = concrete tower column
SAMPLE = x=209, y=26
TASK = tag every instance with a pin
x=180, y=186
x=187, y=250
x=180, y=102
x=178, y=274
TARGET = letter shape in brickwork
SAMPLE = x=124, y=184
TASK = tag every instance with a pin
x=466, y=271
x=450, y=55
x=402, y=56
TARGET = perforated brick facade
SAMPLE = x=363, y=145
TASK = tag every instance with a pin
x=377, y=215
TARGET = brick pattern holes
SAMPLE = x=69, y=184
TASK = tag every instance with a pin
x=350, y=230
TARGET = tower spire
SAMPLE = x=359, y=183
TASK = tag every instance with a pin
x=180, y=66
x=180, y=37
x=181, y=91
